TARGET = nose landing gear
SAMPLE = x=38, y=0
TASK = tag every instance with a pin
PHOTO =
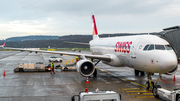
x=149, y=83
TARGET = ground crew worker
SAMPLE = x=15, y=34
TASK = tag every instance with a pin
x=77, y=59
x=52, y=67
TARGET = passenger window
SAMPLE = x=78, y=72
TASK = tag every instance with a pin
x=109, y=100
x=145, y=48
x=168, y=47
x=159, y=47
x=151, y=47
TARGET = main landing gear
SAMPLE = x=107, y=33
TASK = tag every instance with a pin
x=95, y=72
x=149, y=83
x=136, y=72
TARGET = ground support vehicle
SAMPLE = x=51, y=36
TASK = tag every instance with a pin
x=97, y=96
x=27, y=67
x=68, y=67
x=171, y=95
x=55, y=59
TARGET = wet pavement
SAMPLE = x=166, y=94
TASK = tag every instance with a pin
x=43, y=86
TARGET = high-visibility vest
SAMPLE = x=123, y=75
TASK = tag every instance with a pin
x=52, y=65
x=77, y=58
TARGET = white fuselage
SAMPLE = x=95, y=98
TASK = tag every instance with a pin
x=129, y=51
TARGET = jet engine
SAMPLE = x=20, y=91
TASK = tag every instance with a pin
x=172, y=72
x=85, y=67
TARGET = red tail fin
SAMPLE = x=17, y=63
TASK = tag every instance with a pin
x=4, y=44
x=94, y=26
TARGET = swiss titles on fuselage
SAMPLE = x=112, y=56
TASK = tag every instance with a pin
x=123, y=47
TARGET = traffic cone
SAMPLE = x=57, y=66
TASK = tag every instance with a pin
x=86, y=90
x=174, y=78
x=4, y=74
x=87, y=81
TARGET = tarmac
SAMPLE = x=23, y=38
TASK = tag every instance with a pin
x=43, y=86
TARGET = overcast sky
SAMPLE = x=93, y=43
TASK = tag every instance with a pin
x=65, y=17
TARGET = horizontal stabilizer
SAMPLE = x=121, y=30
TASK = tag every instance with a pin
x=79, y=43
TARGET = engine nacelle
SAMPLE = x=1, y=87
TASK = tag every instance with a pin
x=85, y=67
x=172, y=72
x=114, y=61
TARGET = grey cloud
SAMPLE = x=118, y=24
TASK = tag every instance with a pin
x=34, y=9
x=74, y=16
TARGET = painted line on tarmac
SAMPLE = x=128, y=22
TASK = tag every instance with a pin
x=143, y=97
x=131, y=88
x=140, y=94
x=134, y=82
x=102, y=70
x=123, y=78
x=138, y=91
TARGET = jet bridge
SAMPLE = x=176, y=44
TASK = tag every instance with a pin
x=172, y=35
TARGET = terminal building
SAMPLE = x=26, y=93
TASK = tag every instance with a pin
x=172, y=35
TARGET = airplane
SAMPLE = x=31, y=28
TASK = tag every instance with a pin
x=2, y=46
x=143, y=53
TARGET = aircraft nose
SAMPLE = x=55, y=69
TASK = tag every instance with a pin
x=168, y=62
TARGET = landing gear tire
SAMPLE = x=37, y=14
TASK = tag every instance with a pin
x=142, y=73
x=154, y=90
x=148, y=86
x=177, y=97
x=21, y=70
x=95, y=73
x=136, y=72
x=16, y=70
x=65, y=69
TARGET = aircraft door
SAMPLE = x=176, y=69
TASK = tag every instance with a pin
x=133, y=49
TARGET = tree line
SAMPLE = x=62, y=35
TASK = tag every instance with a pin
x=59, y=42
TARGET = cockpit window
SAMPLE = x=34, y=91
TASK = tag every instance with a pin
x=151, y=47
x=145, y=48
x=168, y=47
x=159, y=47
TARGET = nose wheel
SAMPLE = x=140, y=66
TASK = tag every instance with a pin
x=149, y=83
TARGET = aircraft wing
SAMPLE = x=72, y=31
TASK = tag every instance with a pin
x=100, y=57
